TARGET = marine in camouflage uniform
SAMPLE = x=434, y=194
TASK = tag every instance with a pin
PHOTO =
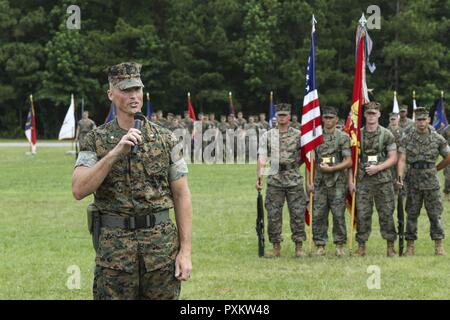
x=140, y=254
x=405, y=122
x=420, y=149
x=187, y=122
x=446, y=134
x=161, y=120
x=263, y=124
x=294, y=123
x=374, y=181
x=84, y=126
x=251, y=138
x=240, y=120
x=333, y=158
x=397, y=131
x=284, y=183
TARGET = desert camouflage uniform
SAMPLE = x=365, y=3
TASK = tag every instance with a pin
x=423, y=183
x=377, y=188
x=286, y=184
x=330, y=189
x=135, y=264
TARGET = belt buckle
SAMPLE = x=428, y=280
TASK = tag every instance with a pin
x=372, y=159
x=326, y=160
x=150, y=220
x=131, y=223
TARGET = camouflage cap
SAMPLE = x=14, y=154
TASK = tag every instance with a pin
x=393, y=115
x=422, y=113
x=125, y=75
x=329, y=111
x=372, y=107
x=403, y=108
x=283, y=108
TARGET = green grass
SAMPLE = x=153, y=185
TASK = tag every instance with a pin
x=43, y=232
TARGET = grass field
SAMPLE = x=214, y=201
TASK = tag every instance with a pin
x=43, y=232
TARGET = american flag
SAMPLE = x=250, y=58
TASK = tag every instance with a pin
x=311, y=128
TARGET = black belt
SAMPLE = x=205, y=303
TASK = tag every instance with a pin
x=285, y=167
x=135, y=222
x=422, y=165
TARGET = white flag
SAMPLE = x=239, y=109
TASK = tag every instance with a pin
x=395, y=108
x=68, y=128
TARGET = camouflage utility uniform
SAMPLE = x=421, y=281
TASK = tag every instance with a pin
x=84, y=126
x=138, y=242
x=446, y=135
x=377, y=188
x=330, y=189
x=422, y=151
x=287, y=184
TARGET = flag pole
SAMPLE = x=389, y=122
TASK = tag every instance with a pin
x=311, y=181
x=362, y=22
x=352, y=223
x=32, y=115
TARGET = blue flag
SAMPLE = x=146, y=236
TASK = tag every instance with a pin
x=439, y=116
x=149, y=110
x=271, y=111
x=111, y=114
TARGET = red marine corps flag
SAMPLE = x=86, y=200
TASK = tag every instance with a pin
x=191, y=108
x=311, y=128
x=359, y=98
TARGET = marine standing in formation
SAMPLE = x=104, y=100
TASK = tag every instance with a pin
x=374, y=180
x=283, y=181
x=333, y=158
x=419, y=149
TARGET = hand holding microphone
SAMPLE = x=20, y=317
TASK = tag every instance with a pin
x=138, y=119
x=132, y=139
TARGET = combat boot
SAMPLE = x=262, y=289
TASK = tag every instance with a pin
x=390, y=249
x=410, y=247
x=320, y=251
x=439, y=249
x=276, y=251
x=340, y=250
x=299, y=249
x=361, y=252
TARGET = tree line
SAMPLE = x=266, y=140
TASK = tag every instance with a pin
x=209, y=48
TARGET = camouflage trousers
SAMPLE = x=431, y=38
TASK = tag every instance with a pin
x=137, y=264
x=447, y=179
x=274, y=203
x=326, y=199
x=432, y=201
x=161, y=284
x=383, y=196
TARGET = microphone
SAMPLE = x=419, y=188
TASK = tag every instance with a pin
x=138, y=118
